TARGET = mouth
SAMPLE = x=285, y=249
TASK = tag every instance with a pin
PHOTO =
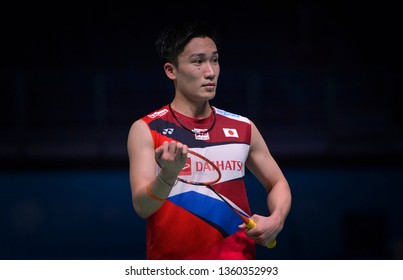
x=210, y=86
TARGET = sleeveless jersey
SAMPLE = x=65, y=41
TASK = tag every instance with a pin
x=194, y=223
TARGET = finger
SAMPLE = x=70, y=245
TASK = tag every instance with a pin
x=185, y=149
x=242, y=226
x=172, y=148
x=165, y=146
x=158, y=152
x=179, y=145
x=182, y=148
x=179, y=151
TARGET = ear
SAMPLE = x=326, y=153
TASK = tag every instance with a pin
x=170, y=70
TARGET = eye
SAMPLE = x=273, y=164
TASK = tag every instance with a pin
x=214, y=58
x=197, y=60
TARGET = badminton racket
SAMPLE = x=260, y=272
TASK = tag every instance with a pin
x=201, y=171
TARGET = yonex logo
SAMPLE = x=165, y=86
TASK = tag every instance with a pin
x=168, y=131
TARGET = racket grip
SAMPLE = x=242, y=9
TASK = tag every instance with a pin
x=272, y=244
x=251, y=224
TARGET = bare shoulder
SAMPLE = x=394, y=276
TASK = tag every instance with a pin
x=139, y=134
x=257, y=137
x=138, y=125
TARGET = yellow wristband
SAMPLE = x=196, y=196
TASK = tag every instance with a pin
x=153, y=195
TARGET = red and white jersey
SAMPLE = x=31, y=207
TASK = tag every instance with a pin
x=194, y=223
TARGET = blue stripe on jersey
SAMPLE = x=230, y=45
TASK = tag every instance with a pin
x=210, y=209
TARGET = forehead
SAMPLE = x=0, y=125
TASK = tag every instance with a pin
x=200, y=45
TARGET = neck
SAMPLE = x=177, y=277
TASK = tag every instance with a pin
x=195, y=130
x=198, y=111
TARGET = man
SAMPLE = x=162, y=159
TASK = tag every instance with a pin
x=186, y=221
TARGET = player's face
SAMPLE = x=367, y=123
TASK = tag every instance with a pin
x=198, y=70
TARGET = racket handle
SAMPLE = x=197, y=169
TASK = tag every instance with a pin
x=272, y=244
x=251, y=224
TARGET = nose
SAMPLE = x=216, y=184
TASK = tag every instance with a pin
x=209, y=72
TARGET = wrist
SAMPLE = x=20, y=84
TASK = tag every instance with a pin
x=278, y=218
x=167, y=182
x=154, y=196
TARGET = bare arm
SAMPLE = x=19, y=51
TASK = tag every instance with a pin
x=143, y=158
x=262, y=164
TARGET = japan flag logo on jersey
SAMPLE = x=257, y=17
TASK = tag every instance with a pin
x=231, y=132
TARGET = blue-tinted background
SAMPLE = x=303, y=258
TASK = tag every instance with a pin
x=323, y=82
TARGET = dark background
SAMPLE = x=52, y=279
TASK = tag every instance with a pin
x=322, y=81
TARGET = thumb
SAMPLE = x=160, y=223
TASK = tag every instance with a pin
x=242, y=226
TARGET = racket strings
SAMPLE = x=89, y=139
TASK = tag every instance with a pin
x=202, y=177
x=200, y=171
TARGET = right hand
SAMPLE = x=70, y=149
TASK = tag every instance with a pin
x=171, y=157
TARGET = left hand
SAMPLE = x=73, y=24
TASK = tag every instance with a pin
x=265, y=231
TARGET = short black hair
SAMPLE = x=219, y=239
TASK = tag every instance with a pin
x=173, y=39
